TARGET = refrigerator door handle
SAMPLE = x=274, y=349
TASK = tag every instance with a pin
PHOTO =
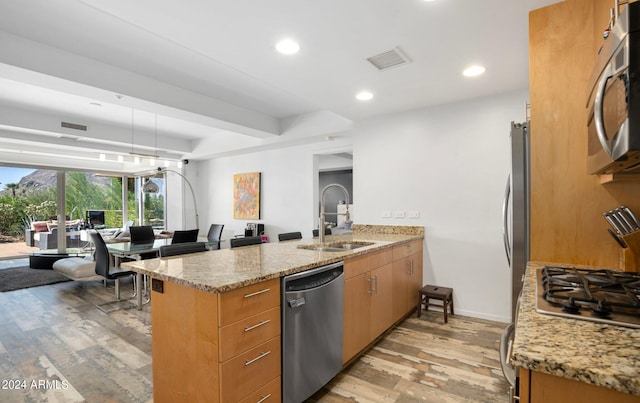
x=505, y=220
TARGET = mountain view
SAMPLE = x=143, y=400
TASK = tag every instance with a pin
x=41, y=179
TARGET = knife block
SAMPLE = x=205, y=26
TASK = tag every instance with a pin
x=630, y=259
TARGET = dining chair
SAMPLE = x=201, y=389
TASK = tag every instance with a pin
x=143, y=234
x=182, y=248
x=214, y=235
x=327, y=231
x=182, y=236
x=287, y=236
x=103, y=266
x=246, y=241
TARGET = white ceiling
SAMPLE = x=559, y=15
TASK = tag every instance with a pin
x=201, y=78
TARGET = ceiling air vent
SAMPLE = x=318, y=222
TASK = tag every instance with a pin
x=389, y=59
x=74, y=126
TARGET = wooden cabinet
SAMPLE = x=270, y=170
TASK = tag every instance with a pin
x=566, y=202
x=381, y=314
x=538, y=387
x=363, y=311
x=184, y=344
x=216, y=347
x=357, y=334
x=407, y=277
x=380, y=288
x=249, y=334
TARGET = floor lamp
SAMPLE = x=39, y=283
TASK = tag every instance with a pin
x=151, y=187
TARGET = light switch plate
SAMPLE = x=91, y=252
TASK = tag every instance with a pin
x=386, y=214
x=413, y=214
x=398, y=214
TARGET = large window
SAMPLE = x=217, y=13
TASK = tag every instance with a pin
x=31, y=195
x=100, y=196
x=26, y=195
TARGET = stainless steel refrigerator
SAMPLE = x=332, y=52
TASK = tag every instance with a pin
x=515, y=210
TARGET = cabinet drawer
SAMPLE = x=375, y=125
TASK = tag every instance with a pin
x=249, y=371
x=269, y=393
x=406, y=249
x=245, y=334
x=361, y=264
x=247, y=301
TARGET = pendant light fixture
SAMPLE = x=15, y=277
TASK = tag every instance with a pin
x=150, y=187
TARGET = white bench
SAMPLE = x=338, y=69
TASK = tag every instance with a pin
x=78, y=268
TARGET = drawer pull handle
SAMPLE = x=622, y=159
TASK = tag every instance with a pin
x=249, y=362
x=264, y=398
x=257, y=293
x=257, y=325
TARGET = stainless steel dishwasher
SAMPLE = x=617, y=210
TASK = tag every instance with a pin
x=312, y=314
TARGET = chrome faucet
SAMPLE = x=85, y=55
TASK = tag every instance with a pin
x=323, y=213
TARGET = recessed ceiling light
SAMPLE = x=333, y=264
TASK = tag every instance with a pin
x=95, y=104
x=364, y=96
x=473, y=71
x=287, y=47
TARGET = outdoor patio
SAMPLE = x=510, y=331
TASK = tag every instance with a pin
x=14, y=254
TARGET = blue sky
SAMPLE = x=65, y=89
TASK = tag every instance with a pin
x=12, y=175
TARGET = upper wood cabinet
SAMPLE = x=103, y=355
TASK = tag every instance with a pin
x=566, y=202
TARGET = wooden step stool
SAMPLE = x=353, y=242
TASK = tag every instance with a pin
x=435, y=292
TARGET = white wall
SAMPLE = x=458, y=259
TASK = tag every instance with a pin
x=287, y=189
x=450, y=163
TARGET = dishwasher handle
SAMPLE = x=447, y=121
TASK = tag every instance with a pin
x=313, y=279
x=296, y=302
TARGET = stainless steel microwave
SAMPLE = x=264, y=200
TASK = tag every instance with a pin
x=614, y=100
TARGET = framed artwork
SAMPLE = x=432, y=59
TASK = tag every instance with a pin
x=246, y=196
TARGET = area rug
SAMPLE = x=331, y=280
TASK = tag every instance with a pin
x=17, y=278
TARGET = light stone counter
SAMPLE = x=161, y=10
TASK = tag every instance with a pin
x=590, y=352
x=223, y=270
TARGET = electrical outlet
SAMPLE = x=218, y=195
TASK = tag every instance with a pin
x=386, y=214
x=398, y=214
x=413, y=214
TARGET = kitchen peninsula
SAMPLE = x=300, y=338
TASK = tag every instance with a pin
x=570, y=360
x=216, y=315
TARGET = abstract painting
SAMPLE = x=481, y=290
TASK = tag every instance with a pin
x=246, y=196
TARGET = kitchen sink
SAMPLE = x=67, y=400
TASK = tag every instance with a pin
x=338, y=246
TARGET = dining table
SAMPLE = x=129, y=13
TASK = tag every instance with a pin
x=130, y=250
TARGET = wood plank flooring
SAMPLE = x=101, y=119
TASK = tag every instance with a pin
x=55, y=346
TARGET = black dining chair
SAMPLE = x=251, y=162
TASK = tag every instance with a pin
x=214, y=235
x=246, y=241
x=182, y=236
x=103, y=264
x=143, y=234
x=182, y=248
x=287, y=236
x=327, y=231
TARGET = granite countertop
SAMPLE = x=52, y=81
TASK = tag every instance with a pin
x=226, y=269
x=590, y=352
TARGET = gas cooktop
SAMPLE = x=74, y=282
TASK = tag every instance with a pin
x=604, y=296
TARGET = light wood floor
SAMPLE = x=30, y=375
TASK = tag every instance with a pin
x=56, y=346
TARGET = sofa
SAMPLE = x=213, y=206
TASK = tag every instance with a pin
x=44, y=234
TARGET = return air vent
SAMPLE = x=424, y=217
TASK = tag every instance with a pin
x=74, y=126
x=389, y=59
